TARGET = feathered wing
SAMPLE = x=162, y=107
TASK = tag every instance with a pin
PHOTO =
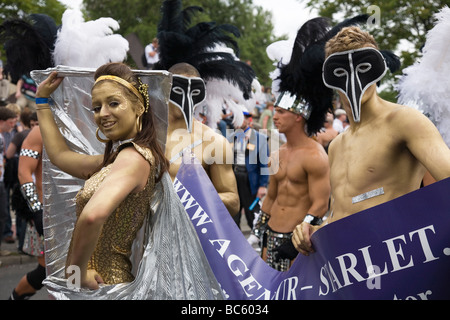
x=28, y=44
x=212, y=50
x=426, y=84
x=88, y=44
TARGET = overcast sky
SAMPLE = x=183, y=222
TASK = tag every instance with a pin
x=288, y=15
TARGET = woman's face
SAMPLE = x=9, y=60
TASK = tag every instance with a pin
x=113, y=111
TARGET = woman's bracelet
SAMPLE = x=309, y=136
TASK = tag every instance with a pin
x=41, y=100
x=42, y=103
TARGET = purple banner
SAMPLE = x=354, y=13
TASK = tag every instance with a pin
x=399, y=250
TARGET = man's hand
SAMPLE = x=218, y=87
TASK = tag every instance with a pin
x=262, y=191
x=301, y=238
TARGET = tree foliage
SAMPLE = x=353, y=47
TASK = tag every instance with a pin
x=20, y=8
x=142, y=17
x=402, y=24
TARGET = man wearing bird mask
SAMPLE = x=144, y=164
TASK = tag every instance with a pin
x=388, y=147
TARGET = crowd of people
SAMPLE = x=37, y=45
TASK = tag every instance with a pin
x=285, y=193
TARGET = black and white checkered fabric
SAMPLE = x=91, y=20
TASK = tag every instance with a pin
x=30, y=194
x=29, y=153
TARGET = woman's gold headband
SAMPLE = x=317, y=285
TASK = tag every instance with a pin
x=142, y=93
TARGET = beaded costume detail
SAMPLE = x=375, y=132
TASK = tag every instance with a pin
x=111, y=257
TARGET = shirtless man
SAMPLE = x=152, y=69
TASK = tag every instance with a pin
x=388, y=147
x=300, y=186
x=184, y=131
x=30, y=178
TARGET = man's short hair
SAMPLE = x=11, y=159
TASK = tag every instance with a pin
x=6, y=113
x=184, y=68
x=350, y=38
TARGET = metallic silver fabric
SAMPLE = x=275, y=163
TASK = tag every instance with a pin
x=368, y=195
x=291, y=103
x=168, y=260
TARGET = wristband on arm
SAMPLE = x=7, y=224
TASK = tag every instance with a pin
x=260, y=224
x=312, y=220
x=29, y=192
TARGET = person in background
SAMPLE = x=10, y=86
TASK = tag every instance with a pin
x=18, y=204
x=30, y=180
x=325, y=136
x=185, y=132
x=152, y=53
x=251, y=154
x=7, y=122
x=340, y=120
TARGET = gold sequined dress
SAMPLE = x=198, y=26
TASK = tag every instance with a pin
x=111, y=257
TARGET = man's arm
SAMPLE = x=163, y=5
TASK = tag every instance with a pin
x=424, y=141
x=272, y=189
x=222, y=176
x=318, y=171
x=30, y=156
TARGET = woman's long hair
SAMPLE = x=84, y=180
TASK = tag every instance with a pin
x=147, y=136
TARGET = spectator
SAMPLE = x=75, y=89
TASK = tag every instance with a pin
x=328, y=133
x=152, y=53
x=251, y=153
x=26, y=93
x=266, y=118
x=340, y=120
x=227, y=119
x=6, y=117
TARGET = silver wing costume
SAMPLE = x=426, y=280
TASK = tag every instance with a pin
x=168, y=259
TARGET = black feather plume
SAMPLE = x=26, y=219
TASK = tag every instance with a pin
x=302, y=76
x=28, y=44
x=392, y=60
x=194, y=45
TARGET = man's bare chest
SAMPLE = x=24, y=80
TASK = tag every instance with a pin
x=291, y=168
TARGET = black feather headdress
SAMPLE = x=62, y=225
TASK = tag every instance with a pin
x=302, y=76
x=28, y=44
x=211, y=49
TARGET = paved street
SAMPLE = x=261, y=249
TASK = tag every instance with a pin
x=10, y=276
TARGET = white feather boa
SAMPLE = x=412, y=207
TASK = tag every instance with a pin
x=426, y=84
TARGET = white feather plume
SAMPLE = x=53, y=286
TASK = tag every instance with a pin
x=426, y=84
x=219, y=92
x=88, y=44
x=279, y=52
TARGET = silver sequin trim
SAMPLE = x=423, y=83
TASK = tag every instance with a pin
x=368, y=195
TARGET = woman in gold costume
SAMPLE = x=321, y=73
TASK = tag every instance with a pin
x=115, y=199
